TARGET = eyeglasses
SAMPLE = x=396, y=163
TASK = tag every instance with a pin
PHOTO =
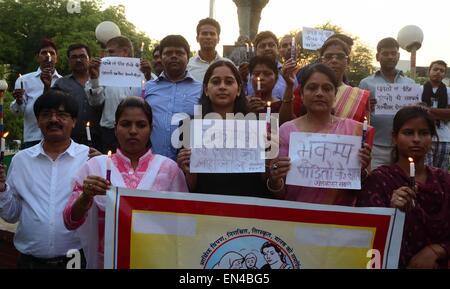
x=337, y=56
x=48, y=114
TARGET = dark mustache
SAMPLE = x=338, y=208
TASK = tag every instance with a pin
x=54, y=125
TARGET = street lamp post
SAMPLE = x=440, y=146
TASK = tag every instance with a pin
x=410, y=38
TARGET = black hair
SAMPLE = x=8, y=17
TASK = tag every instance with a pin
x=123, y=42
x=438, y=62
x=334, y=42
x=264, y=35
x=78, y=46
x=277, y=249
x=156, y=49
x=406, y=114
x=388, y=42
x=347, y=40
x=174, y=41
x=319, y=68
x=264, y=60
x=46, y=42
x=53, y=99
x=208, y=21
x=240, y=103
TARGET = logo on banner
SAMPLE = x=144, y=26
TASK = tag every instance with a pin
x=249, y=249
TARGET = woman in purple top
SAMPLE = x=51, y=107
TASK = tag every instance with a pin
x=426, y=236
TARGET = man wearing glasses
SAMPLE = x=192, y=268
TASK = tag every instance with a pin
x=78, y=57
x=39, y=185
x=387, y=55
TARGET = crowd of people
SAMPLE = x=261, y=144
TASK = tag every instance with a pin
x=55, y=186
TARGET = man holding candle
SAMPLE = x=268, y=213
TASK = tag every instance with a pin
x=208, y=36
x=109, y=97
x=78, y=56
x=39, y=185
x=30, y=86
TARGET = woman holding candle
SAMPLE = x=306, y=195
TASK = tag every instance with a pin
x=132, y=166
x=222, y=94
x=422, y=192
x=264, y=76
x=318, y=93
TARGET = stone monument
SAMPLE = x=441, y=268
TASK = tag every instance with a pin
x=249, y=15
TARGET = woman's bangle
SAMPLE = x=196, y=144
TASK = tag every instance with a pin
x=273, y=190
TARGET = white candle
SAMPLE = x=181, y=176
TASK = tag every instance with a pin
x=108, y=161
x=143, y=88
x=293, y=52
x=258, y=84
x=3, y=146
x=49, y=57
x=142, y=49
x=247, y=48
x=412, y=168
x=269, y=110
x=365, y=124
x=88, y=131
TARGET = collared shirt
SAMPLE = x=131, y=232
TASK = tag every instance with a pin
x=110, y=97
x=38, y=189
x=86, y=113
x=166, y=99
x=197, y=67
x=382, y=123
x=34, y=87
x=279, y=88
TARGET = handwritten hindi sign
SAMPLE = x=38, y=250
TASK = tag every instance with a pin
x=121, y=72
x=324, y=161
x=227, y=146
x=392, y=97
x=313, y=39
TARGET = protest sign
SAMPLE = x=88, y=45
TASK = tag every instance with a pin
x=324, y=161
x=192, y=231
x=121, y=72
x=227, y=146
x=392, y=97
x=313, y=39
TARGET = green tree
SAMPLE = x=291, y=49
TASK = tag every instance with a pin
x=361, y=56
x=24, y=23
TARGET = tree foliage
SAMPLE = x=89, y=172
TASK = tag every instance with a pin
x=24, y=23
x=361, y=57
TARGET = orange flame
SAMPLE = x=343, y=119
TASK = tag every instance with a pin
x=5, y=135
x=88, y=124
x=411, y=160
x=109, y=154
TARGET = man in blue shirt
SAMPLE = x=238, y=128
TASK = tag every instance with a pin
x=173, y=93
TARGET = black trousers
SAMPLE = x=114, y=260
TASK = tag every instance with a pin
x=59, y=263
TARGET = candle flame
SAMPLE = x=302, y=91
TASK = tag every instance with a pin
x=5, y=135
x=259, y=79
x=365, y=118
x=411, y=160
x=269, y=103
x=109, y=154
x=142, y=45
x=88, y=124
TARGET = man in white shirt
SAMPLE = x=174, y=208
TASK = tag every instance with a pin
x=208, y=36
x=32, y=85
x=110, y=97
x=39, y=185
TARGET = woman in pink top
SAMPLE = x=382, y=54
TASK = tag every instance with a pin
x=318, y=94
x=134, y=166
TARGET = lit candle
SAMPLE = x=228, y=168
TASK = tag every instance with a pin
x=412, y=172
x=143, y=88
x=108, y=167
x=247, y=48
x=3, y=147
x=21, y=81
x=268, y=124
x=142, y=49
x=293, y=50
x=88, y=131
x=49, y=57
x=364, y=133
x=258, y=84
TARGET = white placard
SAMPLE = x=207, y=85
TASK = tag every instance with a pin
x=313, y=39
x=324, y=161
x=227, y=146
x=392, y=97
x=121, y=72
